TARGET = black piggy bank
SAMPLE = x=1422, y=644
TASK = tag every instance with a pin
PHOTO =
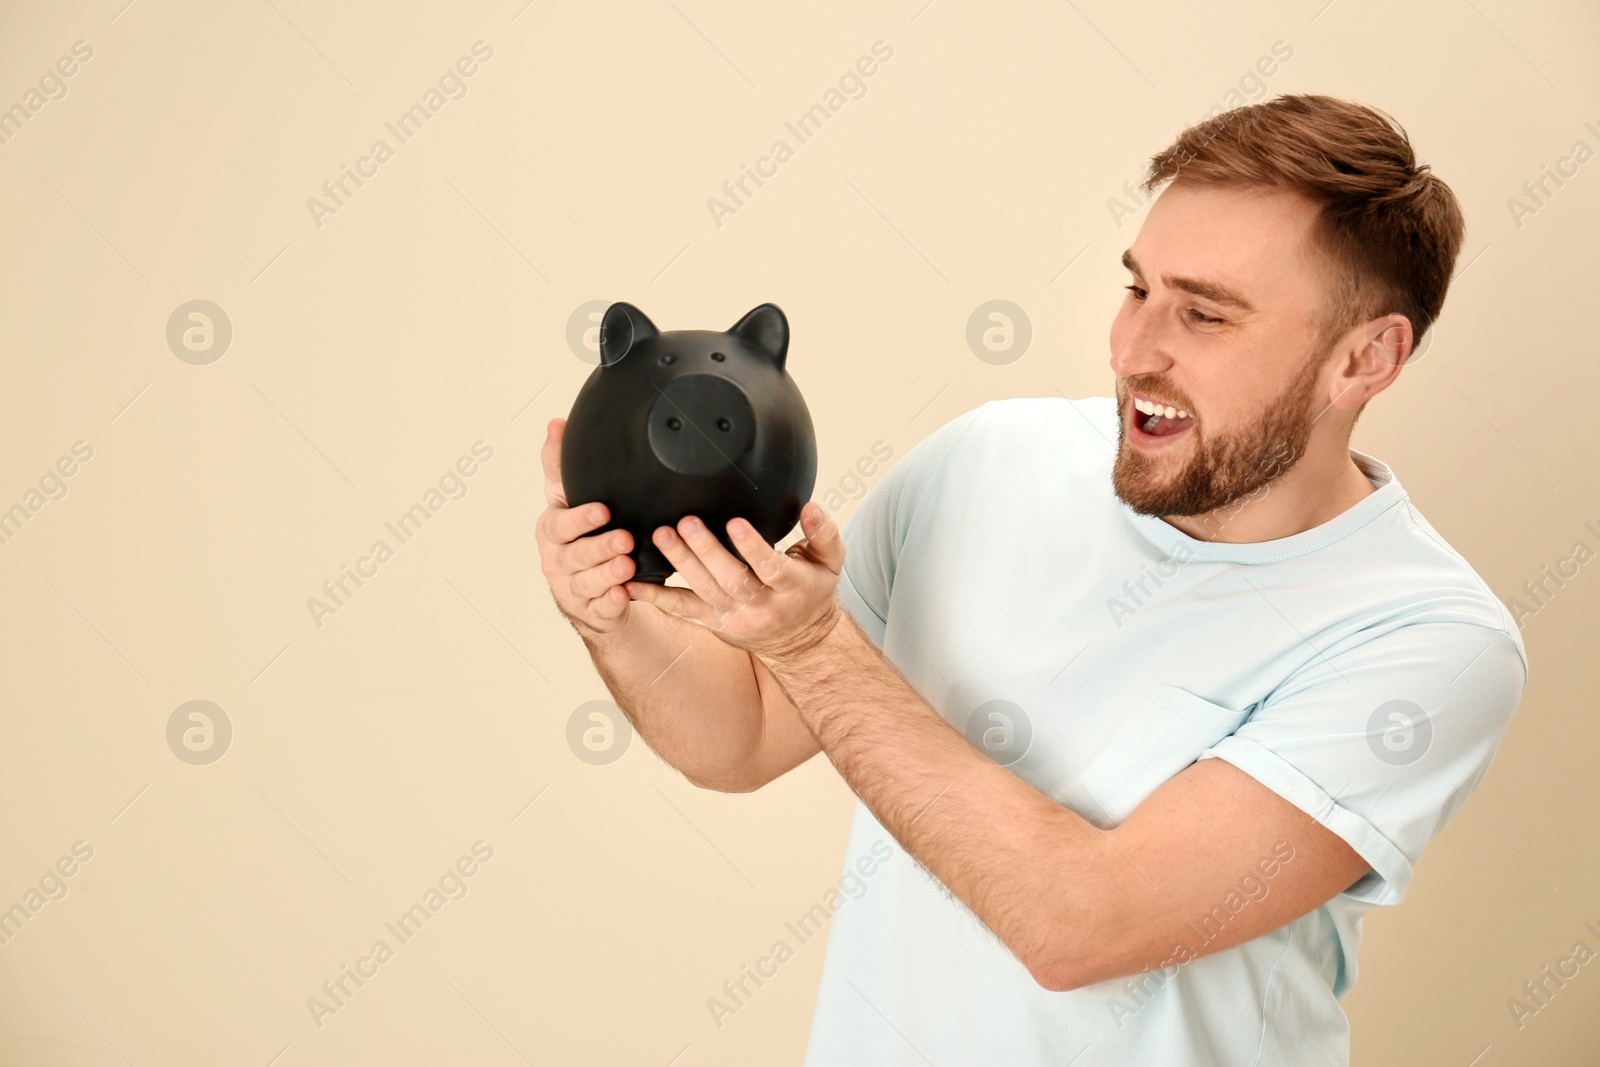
x=690, y=422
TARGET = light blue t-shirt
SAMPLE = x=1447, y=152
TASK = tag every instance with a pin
x=1360, y=669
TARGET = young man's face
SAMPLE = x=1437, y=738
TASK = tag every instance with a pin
x=1244, y=375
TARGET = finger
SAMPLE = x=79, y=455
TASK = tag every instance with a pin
x=566, y=525
x=730, y=574
x=688, y=563
x=594, y=581
x=824, y=540
x=766, y=562
x=550, y=457
x=680, y=602
x=593, y=550
x=608, y=605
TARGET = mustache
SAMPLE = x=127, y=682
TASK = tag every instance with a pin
x=1154, y=388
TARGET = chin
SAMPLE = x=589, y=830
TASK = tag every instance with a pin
x=1150, y=484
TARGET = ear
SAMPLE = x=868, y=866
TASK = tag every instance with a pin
x=767, y=330
x=622, y=327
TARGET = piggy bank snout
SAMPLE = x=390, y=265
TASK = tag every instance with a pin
x=700, y=424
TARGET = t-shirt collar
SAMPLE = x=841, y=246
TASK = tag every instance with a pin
x=1387, y=493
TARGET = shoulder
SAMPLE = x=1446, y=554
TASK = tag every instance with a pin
x=1095, y=415
x=1049, y=427
x=1413, y=575
x=991, y=453
x=1448, y=587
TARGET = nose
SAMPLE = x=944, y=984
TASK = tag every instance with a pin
x=1138, y=340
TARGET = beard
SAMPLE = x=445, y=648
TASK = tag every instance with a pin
x=1219, y=469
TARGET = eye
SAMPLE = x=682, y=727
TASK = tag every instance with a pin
x=1199, y=317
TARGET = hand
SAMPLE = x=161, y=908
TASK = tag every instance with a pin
x=779, y=605
x=586, y=574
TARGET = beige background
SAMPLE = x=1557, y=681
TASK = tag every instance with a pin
x=431, y=312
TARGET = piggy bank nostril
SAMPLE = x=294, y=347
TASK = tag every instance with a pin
x=702, y=424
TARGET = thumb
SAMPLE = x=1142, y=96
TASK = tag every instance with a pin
x=823, y=538
x=680, y=602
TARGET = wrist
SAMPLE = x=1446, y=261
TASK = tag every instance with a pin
x=805, y=644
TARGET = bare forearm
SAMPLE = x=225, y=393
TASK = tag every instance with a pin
x=693, y=698
x=997, y=843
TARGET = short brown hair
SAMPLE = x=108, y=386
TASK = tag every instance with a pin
x=1391, y=229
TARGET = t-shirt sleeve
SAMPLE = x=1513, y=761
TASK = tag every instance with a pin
x=1382, y=742
x=875, y=532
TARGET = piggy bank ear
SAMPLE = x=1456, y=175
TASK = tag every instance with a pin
x=622, y=327
x=767, y=330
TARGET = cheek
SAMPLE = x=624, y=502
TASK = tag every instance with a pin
x=1221, y=412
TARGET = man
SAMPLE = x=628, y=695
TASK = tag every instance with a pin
x=1154, y=722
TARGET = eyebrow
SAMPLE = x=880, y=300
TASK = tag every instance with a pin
x=1212, y=291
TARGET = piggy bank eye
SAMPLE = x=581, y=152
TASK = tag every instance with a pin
x=668, y=358
x=718, y=356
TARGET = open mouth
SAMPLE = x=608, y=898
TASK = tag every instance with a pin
x=1149, y=419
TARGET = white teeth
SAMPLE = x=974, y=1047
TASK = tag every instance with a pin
x=1166, y=411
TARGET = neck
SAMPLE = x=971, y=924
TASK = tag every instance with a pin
x=1324, y=484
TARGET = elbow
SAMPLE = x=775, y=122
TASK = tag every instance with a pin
x=1098, y=931
x=1061, y=969
x=1051, y=965
x=1062, y=973
x=1057, y=975
x=743, y=785
x=724, y=784
x=1062, y=964
x=702, y=782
